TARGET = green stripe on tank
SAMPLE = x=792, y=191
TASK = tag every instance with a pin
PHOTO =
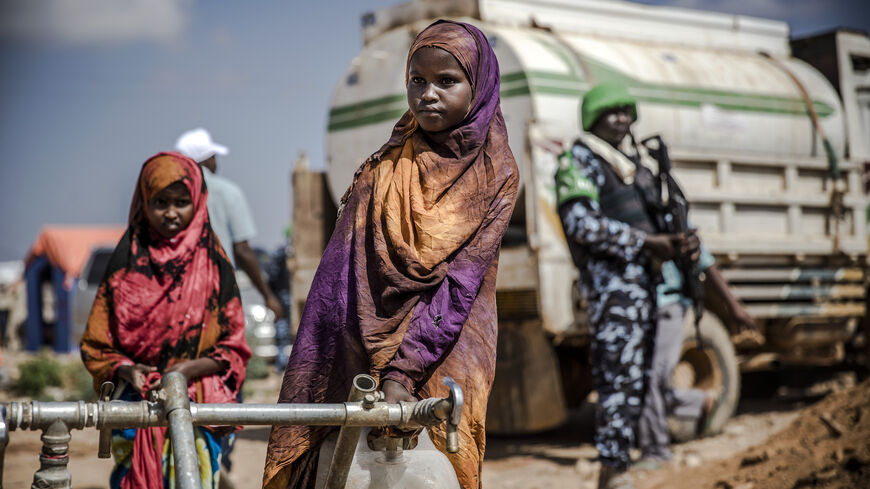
x=516, y=92
x=736, y=103
x=375, y=102
x=560, y=84
x=387, y=115
x=512, y=77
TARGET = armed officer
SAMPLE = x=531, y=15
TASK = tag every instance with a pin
x=610, y=202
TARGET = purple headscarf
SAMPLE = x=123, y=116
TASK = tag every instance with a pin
x=405, y=289
x=471, y=49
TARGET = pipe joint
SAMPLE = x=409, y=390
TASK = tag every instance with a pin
x=175, y=389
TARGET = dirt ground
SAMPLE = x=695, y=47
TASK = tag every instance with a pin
x=782, y=439
x=826, y=446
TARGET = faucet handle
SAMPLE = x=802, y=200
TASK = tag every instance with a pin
x=456, y=400
x=106, y=390
x=105, y=447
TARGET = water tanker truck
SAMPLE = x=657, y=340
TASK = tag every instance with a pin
x=747, y=114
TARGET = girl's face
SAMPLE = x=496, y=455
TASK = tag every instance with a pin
x=170, y=210
x=439, y=93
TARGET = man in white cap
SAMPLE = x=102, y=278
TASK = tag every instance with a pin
x=228, y=211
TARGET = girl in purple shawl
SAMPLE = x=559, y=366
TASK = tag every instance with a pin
x=405, y=290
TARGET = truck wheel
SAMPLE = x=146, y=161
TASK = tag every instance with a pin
x=714, y=366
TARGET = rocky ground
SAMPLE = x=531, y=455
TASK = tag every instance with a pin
x=781, y=438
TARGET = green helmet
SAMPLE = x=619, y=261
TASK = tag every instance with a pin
x=603, y=97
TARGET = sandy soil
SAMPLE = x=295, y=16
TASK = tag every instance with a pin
x=565, y=459
x=826, y=446
x=778, y=441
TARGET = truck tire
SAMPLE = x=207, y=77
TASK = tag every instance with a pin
x=714, y=366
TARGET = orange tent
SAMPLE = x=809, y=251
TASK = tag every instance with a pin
x=64, y=250
x=68, y=247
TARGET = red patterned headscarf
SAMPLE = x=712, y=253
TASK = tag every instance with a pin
x=164, y=301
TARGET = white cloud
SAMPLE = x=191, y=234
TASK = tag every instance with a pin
x=93, y=21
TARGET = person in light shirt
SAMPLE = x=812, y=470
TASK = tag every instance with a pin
x=228, y=210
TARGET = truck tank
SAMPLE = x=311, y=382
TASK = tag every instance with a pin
x=725, y=93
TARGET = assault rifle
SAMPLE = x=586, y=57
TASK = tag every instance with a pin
x=676, y=221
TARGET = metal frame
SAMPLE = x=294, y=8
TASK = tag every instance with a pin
x=171, y=407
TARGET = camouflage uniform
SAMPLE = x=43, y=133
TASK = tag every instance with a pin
x=594, y=206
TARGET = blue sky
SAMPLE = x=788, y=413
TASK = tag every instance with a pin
x=90, y=88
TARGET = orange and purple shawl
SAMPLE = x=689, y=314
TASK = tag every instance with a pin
x=165, y=301
x=405, y=289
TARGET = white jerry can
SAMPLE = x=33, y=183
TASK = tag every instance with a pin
x=423, y=467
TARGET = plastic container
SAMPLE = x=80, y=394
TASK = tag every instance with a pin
x=423, y=467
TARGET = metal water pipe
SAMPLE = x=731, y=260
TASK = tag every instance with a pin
x=167, y=408
x=181, y=431
x=363, y=388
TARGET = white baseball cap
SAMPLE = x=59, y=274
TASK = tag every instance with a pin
x=197, y=144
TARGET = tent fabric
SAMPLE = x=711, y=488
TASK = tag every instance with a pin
x=68, y=248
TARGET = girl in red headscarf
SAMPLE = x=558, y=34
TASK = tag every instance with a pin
x=168, y=302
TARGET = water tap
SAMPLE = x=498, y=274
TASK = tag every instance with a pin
x=455, y=416
x=105, y=447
